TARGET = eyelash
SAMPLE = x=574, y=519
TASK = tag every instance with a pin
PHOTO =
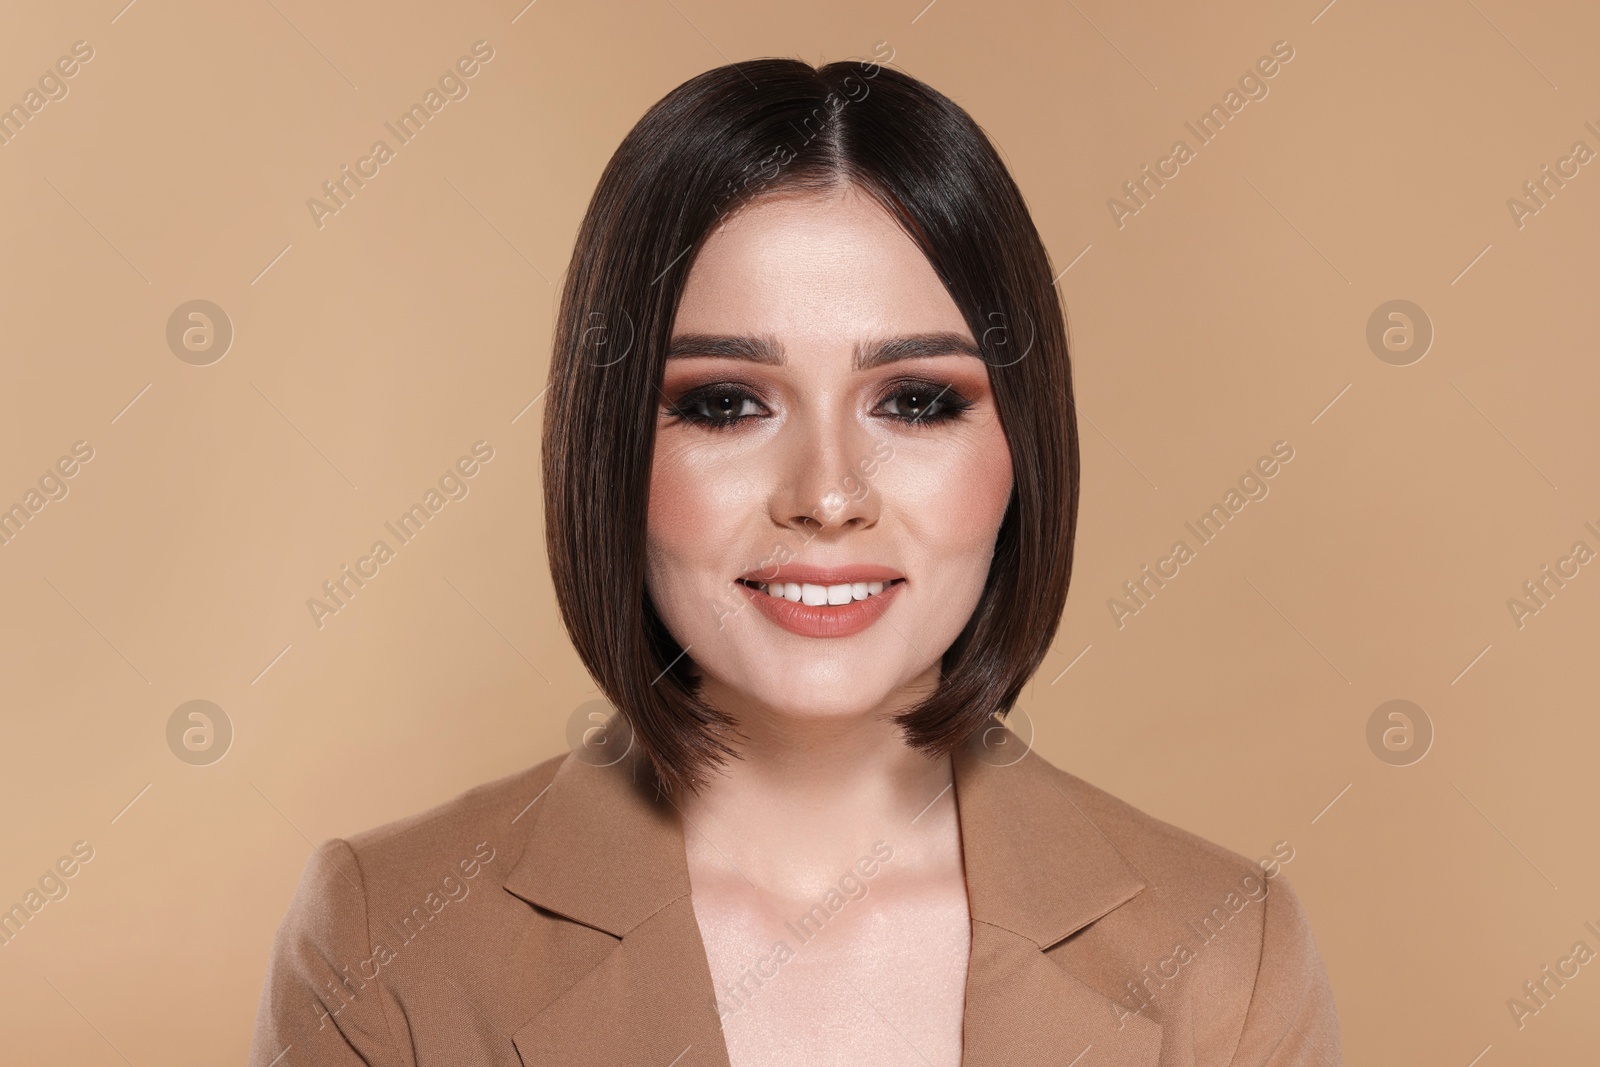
x=950, y=404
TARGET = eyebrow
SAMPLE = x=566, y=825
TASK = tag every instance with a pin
x=868, y=354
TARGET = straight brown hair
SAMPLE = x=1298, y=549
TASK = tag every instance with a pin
x=711, y=146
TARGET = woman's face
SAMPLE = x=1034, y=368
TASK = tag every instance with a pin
x=830, y=472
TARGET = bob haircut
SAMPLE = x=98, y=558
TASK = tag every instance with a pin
x=713, y=145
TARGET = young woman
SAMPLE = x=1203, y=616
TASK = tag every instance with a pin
x=811, y=482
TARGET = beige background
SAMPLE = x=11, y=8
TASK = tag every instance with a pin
x=369, y=354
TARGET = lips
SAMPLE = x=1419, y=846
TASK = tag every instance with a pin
x=828, y=619
x=822, y=601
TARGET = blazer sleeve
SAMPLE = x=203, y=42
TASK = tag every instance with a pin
x=316, y=1008
x=1290, y=1020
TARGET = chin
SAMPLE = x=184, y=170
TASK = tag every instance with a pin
x=846, y=705
x=821, y=689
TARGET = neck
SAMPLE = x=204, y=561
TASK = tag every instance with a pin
x=812, y=794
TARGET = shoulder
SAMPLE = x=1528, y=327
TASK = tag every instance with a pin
x=1169, y=858
x=358, y=918
x=433, y=856
x=1216, y=943
x=479, y=830
x=492, y=817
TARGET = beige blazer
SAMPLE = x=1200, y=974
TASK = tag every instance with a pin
x=545, y=919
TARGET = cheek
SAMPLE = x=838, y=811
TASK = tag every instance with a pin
x=696, y=505
x=673, y=506
x=953, y=494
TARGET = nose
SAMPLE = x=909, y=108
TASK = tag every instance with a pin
x=822, y=489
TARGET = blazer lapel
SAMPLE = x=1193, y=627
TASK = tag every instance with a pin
x=607, y=854
x=1038, y=871
x=645, y=1003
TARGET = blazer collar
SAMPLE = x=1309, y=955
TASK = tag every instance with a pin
x=1036, y=864
x=606, y=853
x=1038, y=870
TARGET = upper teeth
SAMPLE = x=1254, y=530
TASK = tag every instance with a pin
x=815, y=595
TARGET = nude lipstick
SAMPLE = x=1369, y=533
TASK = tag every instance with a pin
x=822, y=601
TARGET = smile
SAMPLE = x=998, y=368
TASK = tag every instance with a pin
x=827, y=608
x=818, y=595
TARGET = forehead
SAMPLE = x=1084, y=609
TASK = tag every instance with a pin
x=829, y=265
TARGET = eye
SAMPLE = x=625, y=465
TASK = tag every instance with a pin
x=717, y=407
x=922, y=402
